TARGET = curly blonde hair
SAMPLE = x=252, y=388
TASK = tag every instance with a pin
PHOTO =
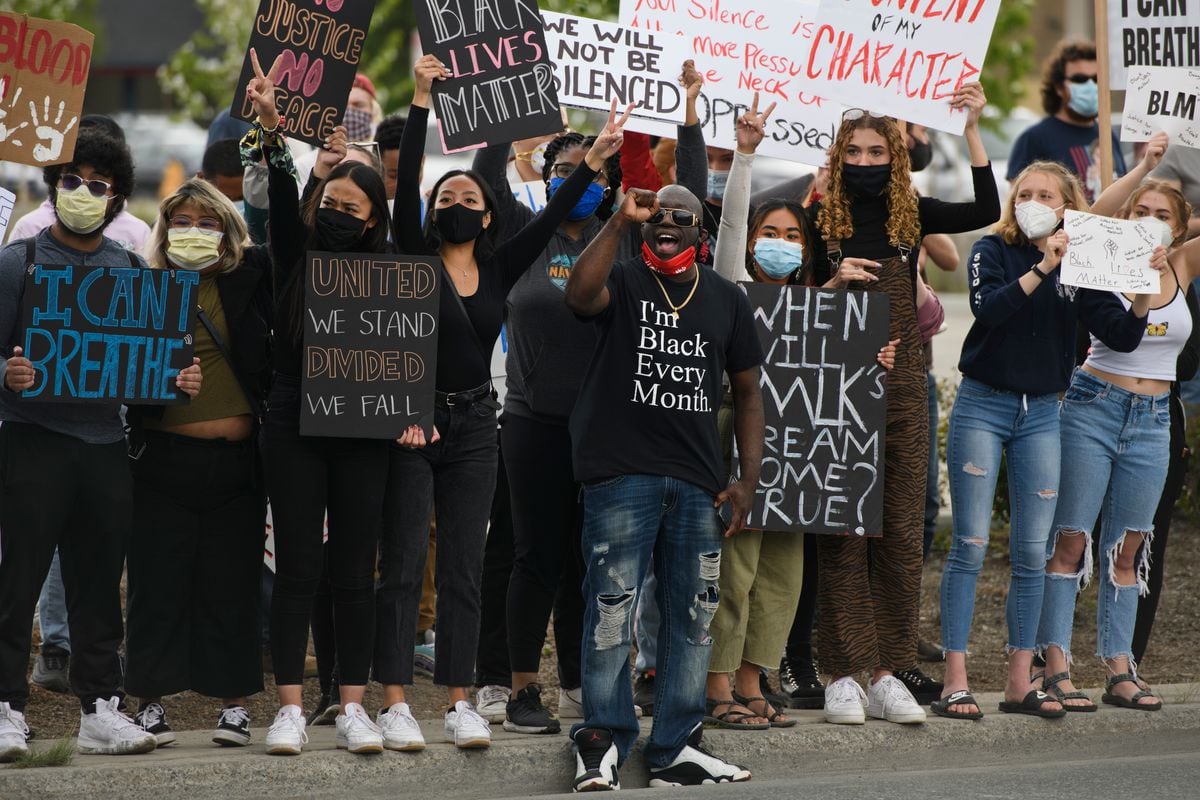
x=834, y=218
x=1068, y=187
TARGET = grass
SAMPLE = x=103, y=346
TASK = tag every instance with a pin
x=59, y=754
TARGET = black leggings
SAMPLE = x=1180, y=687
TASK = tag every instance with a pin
x=799, y=645
x=491, y=654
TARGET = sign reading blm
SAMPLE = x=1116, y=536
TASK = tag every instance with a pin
x=501, y=87
x=824, y=404
x=370, y=344
x=108, y=334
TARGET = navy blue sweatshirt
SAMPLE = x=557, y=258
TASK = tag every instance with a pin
x=1026, y=343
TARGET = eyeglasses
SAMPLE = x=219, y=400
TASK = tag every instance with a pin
x=72, y=182
x=1081, y=78
x=204, y=223
x=564, y=170
x=855, y=114
x=680, y=217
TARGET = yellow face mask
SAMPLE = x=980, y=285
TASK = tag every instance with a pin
x=193, y=248
x=80, y=210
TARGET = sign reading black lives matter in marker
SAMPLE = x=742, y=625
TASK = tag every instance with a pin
x=502, y=84
x=108, y=334
x=825, y=406
x=321, y=44
x=370, y=344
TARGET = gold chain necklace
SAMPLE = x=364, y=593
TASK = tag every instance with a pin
x=675, y=309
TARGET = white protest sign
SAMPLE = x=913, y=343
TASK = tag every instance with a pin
x=741, y=47
x=531, y=193
x=8, y=201
x=904, y=58
x=1162, y=99
x=595, y=61
x=1152, y=33
x=1109, y=254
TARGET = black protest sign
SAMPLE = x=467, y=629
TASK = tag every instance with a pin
x=370, y=344
x=107, y=334
x=501, y=87
x=824, y=405
x=320, y=42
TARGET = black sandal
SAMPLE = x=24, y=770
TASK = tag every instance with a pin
x=1130, y=702
x=1050, y=685
x=773, y=717
x=732, y=719
x=1032, y=704
x=941, y=707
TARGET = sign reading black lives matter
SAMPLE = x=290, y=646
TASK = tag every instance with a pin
x=108, y=334
x=825, y=407
x=370, y=344
x=502, y=84
x=321, y=44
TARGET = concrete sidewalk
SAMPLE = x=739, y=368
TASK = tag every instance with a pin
x=519, y=766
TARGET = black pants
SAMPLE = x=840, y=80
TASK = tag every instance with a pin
x=799, y=645
x=324, y=640
x=547, y=571
x=194, y=568
x=58, y=491
x=491, y=654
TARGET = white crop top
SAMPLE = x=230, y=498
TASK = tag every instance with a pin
x=1167, y=331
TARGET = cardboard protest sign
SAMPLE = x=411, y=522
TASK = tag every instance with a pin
x=370, y=344
x=502, y=88
x=903, y=59
x=108, y=334
x=1162, y=99
x=321, y=44
x=825, y=408
x=8, y=202
x=44, y=66
x=742, y=47
x=595, y=61
x=1152, y=33
x=1110, y=254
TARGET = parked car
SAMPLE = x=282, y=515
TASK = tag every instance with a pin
x=156, y=139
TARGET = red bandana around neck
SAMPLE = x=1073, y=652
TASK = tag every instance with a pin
x=670, y=266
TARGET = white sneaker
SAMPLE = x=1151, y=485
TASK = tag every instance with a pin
x=466, y=728
x=400, y=730
x=109, y=732
x=695, y=766
x=570, y=704
x=844, y=701
x=286, y=736
x=13, y=733
x=595, y=761
x=888, y=698
x=491, y=702
x=356, y=732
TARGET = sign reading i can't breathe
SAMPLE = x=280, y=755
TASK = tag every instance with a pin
x=825, y=406
x=108, y=334
x=502, y=83
x=1152, y=33
x=370, y=344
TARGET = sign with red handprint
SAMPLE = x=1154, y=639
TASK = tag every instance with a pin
x=44, y=66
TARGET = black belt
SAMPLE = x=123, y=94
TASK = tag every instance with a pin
x=467, y=398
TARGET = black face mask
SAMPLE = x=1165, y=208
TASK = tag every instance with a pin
x=920, y=154
x=867, y=181
x=458, y=224
x=339, y=231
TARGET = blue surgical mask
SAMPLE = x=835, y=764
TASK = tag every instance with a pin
x=586, y=205
x=778, y=257
x=717, y=178
x=1085, y=99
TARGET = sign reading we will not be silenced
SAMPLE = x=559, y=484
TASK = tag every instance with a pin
x=1152, y=33
x=108, y=334
x=370, y=344
x=502, y=83
x=825, y=406
x=1162, y=99
x=320, y=42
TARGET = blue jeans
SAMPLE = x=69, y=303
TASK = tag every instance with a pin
x=52, y=610
x=986, y=422
x=627, y=520
x=645, y=629
x=1115, y=446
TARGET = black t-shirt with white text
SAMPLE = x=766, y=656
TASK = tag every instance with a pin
x=648, y=404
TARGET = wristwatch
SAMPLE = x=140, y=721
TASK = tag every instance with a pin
x=1041, y=275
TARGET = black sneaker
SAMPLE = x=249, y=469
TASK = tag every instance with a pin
x=930, y=652
x=51, y=670
x=798, y=680
x=526, y=714
x=595, y=761
x=773, y=697
x=152, y=718
x=326, y=711
x=643, y=693
x=695, y=766
x=924, y=688
x=233, y=728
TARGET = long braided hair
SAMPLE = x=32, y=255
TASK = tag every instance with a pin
x=612, y=167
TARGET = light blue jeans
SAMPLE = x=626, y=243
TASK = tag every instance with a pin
x=628, y=520
x=52, y=609
x=985, y=423
x=1115, y=449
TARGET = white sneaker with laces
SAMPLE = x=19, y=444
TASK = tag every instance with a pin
x=356, y=732
x=400, y=730
x=466, y=728
x=491, y=702
x=844, y=701
x=109, y=732
x=888, y=698
x=570, y=704
x=13, y=733
x=286, y=736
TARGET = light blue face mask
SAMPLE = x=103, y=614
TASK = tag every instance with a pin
x=586, y=205
x=717, y=178
x=778, y=258
x=1085, y=99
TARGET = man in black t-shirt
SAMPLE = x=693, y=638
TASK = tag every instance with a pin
x=646, y=448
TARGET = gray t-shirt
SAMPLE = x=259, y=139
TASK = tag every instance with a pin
x=1182, y=164
x=94, y=423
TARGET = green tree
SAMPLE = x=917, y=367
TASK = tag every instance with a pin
x=1009, y=58
x=79, y=12
x=202, y=74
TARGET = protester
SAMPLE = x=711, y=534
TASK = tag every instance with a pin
x=387, y=137
x=222, y=167
x=1180, y=167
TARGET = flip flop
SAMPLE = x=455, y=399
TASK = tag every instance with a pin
x=1128, y=702
x=1051, y=685
x=772, y=718
x=1032, y=704
x=962, y=697
x=731, y=719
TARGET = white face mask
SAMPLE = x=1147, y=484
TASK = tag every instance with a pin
x=1166, y=236
x=193, y=248
x=1035, y=219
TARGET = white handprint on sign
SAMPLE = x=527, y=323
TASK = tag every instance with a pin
x=53, y=136
x=6, y=131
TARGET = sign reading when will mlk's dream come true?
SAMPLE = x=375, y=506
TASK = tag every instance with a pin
x=1109, y=254
x=824, y=404
x=1162, y=99
x=1152, y=33
x=320, y=42
x=107, y=334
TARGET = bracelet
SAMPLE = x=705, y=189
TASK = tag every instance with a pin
x=265, y=129
x=1041, y=275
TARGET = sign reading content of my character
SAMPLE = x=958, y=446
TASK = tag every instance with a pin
x=370, y=344
x=824, y=404
x=107, y=334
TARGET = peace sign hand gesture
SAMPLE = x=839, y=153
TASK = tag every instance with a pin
x=609, y=142
x=751, y=127
x=261, y=91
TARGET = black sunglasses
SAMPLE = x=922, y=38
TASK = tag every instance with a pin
x=1080, y=78
x=72, y=182
x=679, y=216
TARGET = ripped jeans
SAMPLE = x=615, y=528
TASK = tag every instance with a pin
x=626, y=521
x=1115, y=451
x=985, y=423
